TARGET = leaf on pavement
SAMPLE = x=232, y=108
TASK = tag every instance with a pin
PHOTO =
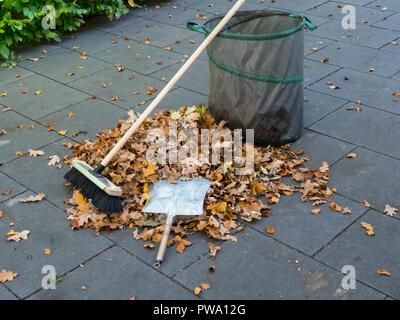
x=213, y=250
x=390, y=211
x=384, y=272
x=35, y=153
x=53, y=160
x=7, y=276
x=368, y=227
x=17, y=236
x=39, y=197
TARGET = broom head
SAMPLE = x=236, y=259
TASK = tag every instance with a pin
x=104, y=194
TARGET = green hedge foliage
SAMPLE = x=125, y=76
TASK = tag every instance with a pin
x=21, y=20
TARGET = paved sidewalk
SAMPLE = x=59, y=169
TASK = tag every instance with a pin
x=304, y=258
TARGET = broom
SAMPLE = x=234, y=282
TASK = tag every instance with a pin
x=106, y=196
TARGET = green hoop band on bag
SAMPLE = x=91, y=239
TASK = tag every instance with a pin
x=255, y=37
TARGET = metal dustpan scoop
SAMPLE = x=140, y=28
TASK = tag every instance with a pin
x=184, y=198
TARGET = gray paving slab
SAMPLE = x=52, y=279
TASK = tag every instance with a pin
x=396, y=76
x=188, y=45
x=89, y=40
x=381, y=4
x=21, y=139
x=369, y=254
x=175, y=99
x=115, y=275
x=359, y=2
x=392, y=22
x=216, y=7
x=139, y=57
x=360, y=58
x=258, y=267
x=298, y=6
x=370, y=176
x=312, y=43
x=393, y=46
x=49, y=229
x=30, y=172
x=362, y=128
x=8, y=184
x=35, y=50
x=315, y=71
x=89, y=116
x=173, y=261
x=363, y=35
x=5, y=294
x=318, y=105
x=321, y=148
x=160, y=34
x=174, y=14
x=196, y=78
x=11, y=74
x=118, y=84
x=34, y=105
x=364, y=15
x=116, y=26
x=370, y=89
x=298, y=228
x=61, y=62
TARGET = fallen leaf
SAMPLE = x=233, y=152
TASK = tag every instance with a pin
x=390, y=211
x=205, y=286
x=346, y=210
x=270, y=229
x=369, y=228
x=213, y=250
x=197, y=291
x=211, y=268
x=7, y=276
x=19, y=235
x=35, y=153
x=47, y=251
x=1, y=214
x=19, y=153
x=315, y=211
x=351, y=155
x=384, y=272
x=38, y=92
x=62, y=132
x=39, y=197
x=335, y=207
x=365, y=204
x=53, y=160
x=6, y=192
x=149, y=245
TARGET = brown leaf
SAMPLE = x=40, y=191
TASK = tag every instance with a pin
x=205, y=286
x=197, y=291
x=7, y=276
x=315, y=211
x=39, y=197
x=35, y=153
x=369, y=228
x=351, y=155
x=365, y=204
x=47, y=251
x=270, y=229
x=213, y=250
x=384, y=272
x=17, y=236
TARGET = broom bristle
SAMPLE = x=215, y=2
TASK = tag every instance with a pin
x=100, y=199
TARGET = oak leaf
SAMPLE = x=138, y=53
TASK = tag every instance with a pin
x=39, y=197
x=18, y=236
x=390, y=211
x=7, y=276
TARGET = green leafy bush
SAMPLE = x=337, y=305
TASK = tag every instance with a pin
x=21, y=20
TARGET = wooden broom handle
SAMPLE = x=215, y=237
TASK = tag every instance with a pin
x=171, y=83
x=163, y=244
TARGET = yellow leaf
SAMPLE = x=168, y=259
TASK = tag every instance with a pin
x=47, y=251
x=197, y=291
x=62, y=132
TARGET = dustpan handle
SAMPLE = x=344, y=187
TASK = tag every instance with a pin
x=163, y=245
x=170, y=85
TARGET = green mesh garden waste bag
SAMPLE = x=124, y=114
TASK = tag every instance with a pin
x=256, y=73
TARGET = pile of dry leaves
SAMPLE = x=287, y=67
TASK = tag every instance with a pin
x=231, y=198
